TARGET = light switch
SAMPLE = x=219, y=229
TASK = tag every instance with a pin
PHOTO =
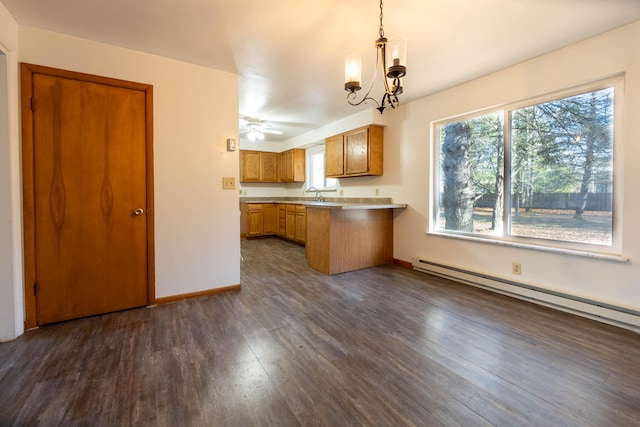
x=228, y=183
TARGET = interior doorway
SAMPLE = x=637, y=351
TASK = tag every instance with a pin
x=88, y=194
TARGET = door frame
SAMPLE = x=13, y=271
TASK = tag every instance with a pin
x=27, y=72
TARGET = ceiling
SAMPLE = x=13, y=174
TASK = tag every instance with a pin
x=289, y=54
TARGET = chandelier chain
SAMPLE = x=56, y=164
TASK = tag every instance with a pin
x=381, y=32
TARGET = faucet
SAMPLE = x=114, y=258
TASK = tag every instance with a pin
x=318, y=196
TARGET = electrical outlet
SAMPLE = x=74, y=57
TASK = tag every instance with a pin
x=228, y=183
x=342, y=192
x=377, y=191
x=516, y=268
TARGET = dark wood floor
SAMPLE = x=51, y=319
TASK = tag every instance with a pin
x=381, y=347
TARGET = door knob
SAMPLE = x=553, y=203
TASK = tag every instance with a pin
x=138, y=211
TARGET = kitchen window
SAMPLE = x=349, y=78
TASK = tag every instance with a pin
x=315, y=170
x=539, y=172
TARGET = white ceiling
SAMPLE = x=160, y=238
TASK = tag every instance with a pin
x=289, y=54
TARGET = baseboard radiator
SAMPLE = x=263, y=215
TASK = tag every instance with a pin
x=607, y=313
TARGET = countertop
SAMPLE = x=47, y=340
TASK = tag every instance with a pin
x=332, y=204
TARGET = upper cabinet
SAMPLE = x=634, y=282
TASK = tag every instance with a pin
x=291, y=165
x=355, y=153
x=264, y=166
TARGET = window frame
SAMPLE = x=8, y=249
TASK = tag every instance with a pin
x=613, y=251
x=310, y=152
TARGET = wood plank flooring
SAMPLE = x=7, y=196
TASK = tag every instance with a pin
x=383, y=346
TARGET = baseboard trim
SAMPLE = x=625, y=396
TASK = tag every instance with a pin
x=596, y=310
x=192, y=295
x=402, y=263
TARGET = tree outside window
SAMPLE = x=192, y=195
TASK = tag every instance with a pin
x=558, y=158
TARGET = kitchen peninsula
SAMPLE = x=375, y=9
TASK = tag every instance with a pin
x=344, y=235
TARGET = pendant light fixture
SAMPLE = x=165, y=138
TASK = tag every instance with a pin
x=391, y=56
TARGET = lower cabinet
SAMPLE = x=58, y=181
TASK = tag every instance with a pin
x=270, y=218
x=267, y=219
x=301, y=224
x=253, y=222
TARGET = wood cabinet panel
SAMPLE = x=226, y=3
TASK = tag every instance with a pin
x=269, y=167
x=292, y=165
x=356, y=146
x=282, y=220
x=356, y=153
x=301, y=224
x=249, y=165
x=290, y=228
x=270, y=219
x=265, y=166
x=334, y=156
x=258, y=166
x=254, y=220
x=351, y=239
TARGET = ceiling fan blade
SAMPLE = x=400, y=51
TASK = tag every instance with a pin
x=272, y=131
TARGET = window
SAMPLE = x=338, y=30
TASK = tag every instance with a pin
x=553, y=157
x=315, y=170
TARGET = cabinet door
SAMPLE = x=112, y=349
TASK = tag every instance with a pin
x=249, y=165
x=356, y=152
x=269, y=167
x=254, y=220
x=290, y=231
x=299, y=159
x=282, y=220
x=286, y=166
x=270, y=218
x=334, y=156
x=301, y=224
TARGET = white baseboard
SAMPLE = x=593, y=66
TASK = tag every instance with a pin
x=603, y=312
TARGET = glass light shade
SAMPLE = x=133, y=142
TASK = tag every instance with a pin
x=396, y=52
x=352, y=71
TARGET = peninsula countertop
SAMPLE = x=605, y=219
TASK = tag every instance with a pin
x=333, y=204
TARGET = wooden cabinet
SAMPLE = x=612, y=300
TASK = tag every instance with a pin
x=355, y=153
x=290, y=226
x=254, y=220
x=291, y=165
x=249, y=166
x=258, y=166
x=269, y=219
x=282, y=220
x=258, y=219
x=301, y=224
x=334, y=156
x=264, y=166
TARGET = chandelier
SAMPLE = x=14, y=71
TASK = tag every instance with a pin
x=391, y=55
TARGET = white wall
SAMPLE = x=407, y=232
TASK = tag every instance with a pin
x=197, y=223
x=11, y=293
x=612, y=282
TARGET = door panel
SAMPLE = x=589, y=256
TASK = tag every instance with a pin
x=90, y=176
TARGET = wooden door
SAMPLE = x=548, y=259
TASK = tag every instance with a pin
x=334, y=156
x=90, y=204
x=356, y=147
x=286, y=166
x=268, y=167
x=249, y=165
x=270, y=218
x=255, y=220
x=301, y=224
x=290, y=223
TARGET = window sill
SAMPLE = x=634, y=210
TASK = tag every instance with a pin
x=551, y=249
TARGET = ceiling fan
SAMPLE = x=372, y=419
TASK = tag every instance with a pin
x=255, y=129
